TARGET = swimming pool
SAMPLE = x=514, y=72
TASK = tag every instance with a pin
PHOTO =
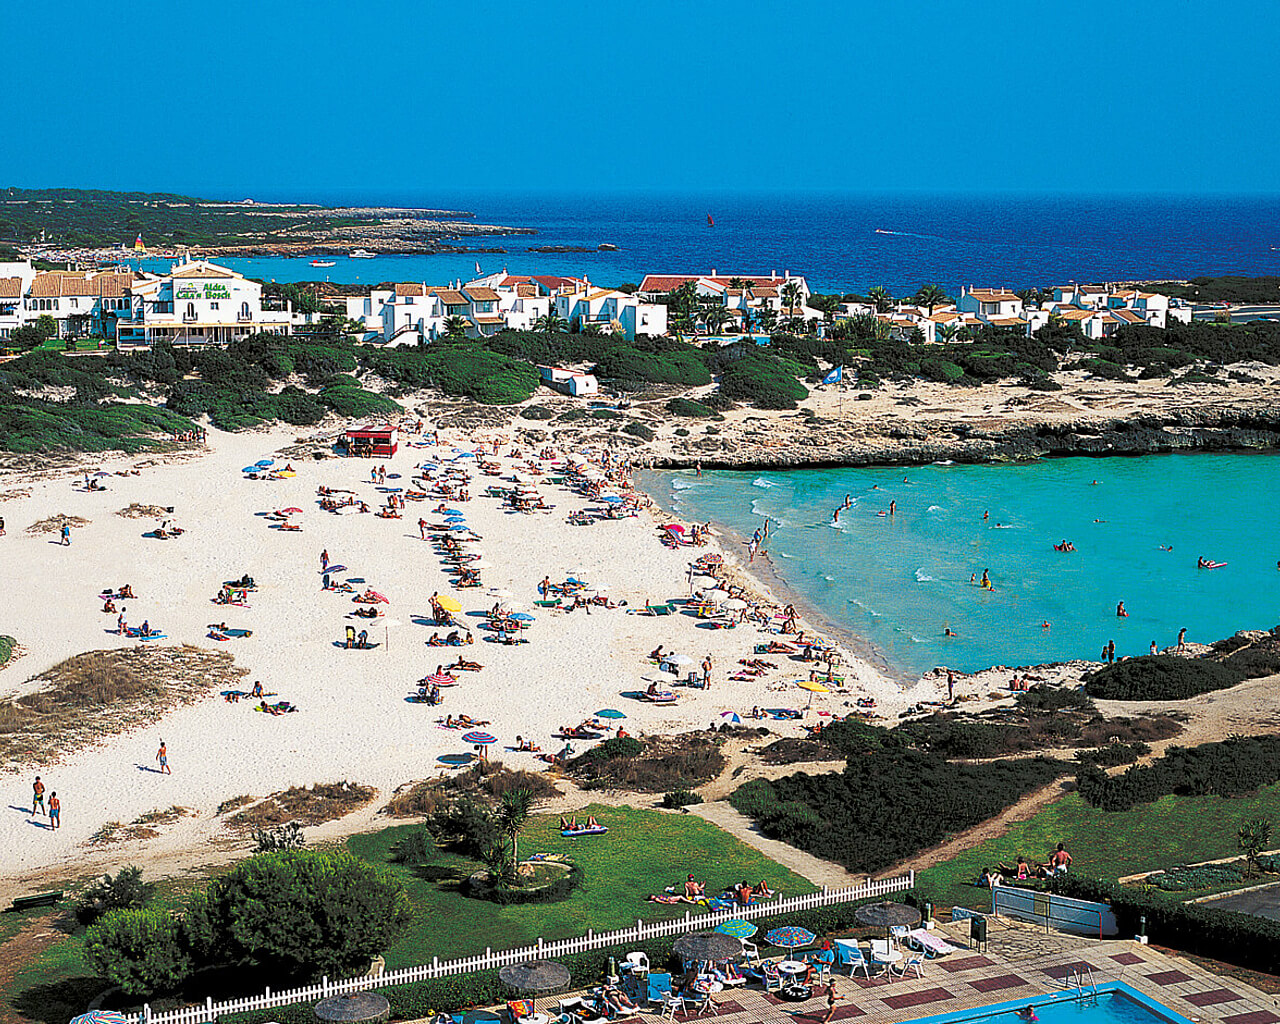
x=1116, y=1003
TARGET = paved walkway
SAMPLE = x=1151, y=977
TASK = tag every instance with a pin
x=1019, y=962
x=820, y=872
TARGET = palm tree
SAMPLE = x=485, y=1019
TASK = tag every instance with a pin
x=881, y=297
x=947, y=332
x=456, y=326
x=931, y=295
x=768, y=319
x=791, y=296
x=512, y=816
x=715, y=318
x=551, y=322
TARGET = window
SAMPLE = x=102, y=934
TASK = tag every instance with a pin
x=191, y=310
x=213, y=305
x=244, y=310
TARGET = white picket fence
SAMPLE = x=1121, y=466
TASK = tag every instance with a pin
x=209, y=1011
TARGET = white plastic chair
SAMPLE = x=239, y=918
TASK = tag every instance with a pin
x=671, y=1004
x=752, y=952
x=636, y=963
x=914, y=962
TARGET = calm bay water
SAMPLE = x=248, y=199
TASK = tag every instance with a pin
x=840, y=242
x=899, y=582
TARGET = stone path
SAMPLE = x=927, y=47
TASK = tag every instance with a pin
x=820, y=872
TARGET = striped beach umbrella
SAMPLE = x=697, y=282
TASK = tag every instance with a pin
x=480, y=739
x=738, y=928
x=102, y=1017
x=441, y=679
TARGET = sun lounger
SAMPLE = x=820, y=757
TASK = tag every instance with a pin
x=926, y=942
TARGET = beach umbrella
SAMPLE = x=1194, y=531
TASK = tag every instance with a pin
x=102, y=1017
x=738, y=928
x=453, y=512
x=732, y=716
x=673, y=527
x=523, y=616
x=250, y=469
x=534, y=977
x=352, y=1007
x=736, y=604
x=887, y=915
x=265, y=462
x=480, y=739
x=812, y=686
x=679, y=659
x=610, y=713
x=708, y=946
x=291, y=510
x=449, y=604
x=716, y=594
x=440, y=679
x=790, y=937
x=612, y=499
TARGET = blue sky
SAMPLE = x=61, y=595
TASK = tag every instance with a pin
x=283, y=98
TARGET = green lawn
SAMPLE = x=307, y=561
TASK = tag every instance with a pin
x=643, y=852
x=1173, y=830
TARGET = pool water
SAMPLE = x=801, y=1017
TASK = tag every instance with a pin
x=1116, y=1003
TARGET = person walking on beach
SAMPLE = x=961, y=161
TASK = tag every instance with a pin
x=66, y=535
x=1182, y=639
x=324, y=560
x=422, y=528
x=121, y=626
x=706, y=672
x=37, y=796
x=951, y=685
x=162, y=755
x=55, y=811
x=1, y=526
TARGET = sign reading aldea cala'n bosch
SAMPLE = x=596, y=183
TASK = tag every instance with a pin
x=207, y=290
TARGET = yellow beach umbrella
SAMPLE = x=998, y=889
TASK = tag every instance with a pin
x=813, y=687
x=449, y=604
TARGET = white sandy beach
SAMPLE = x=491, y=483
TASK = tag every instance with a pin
x=355, y=722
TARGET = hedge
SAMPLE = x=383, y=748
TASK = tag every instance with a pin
x=1234, y=767
x=483, y=988
x=1196, y=928
x=1160, y=677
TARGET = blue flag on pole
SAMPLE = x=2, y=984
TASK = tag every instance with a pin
x=835, y=376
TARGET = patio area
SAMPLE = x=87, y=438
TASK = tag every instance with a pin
x=1020, y=961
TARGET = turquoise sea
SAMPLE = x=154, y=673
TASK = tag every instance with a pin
x=898, y=582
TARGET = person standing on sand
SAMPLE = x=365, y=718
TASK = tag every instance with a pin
x=162, y=755
x=706, y=672
x=422, y=528
x=55, y=811
x=1182, y=639
x=951, y=685
x=1154, y=649
x=37, y=796
x=66, y=535
x=1, y=526
x=324, y=560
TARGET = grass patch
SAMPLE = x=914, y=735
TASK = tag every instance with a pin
x=307, y=805
x=102, y=693
x=643, y=852
x=1107, y=844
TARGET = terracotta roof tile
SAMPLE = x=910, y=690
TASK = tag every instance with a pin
x=10, y=287
x=408, y=288
x=450, y=297
x=481, y=294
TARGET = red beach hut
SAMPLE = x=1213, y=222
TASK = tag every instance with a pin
x=373, y=442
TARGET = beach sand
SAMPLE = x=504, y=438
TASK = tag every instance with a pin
x=355, y=722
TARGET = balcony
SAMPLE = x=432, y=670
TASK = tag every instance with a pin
x=244, y=316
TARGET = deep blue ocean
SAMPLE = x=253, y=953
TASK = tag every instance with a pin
x=839, y=242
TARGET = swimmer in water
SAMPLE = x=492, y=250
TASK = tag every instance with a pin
x=893, y=507
x=948, y=631
x=973, y=577
x=986, y=515
x=986, y=579
x=1028, y=1013
x=835, y=516
x=1120, y=612
x=1045, y=625
x=1093, y=483
x=1166, y=547
x=847, y=501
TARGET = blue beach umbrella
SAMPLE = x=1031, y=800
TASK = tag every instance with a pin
x=612, y=499
x=250, y=469
x=790, y=937
x=523, y=616
x=453, y=511
x=738, y=928
x=265, y=462
x=613, y=713
x=459, y=528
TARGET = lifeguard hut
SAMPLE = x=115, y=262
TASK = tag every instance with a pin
x=373, y=442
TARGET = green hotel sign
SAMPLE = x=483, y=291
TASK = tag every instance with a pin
x=208, y=290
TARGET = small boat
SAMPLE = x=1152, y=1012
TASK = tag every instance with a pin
x=322, y=263
x=363, y=254
x=710, y=222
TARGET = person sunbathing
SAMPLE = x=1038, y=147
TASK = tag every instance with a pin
x=126, y=593
x=435, y=641
x=257, y=689
x=109, y=605
x=270, y=709
x=462, y=665
x=591, y=821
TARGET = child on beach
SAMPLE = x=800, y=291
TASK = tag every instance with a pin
x=37, y=796
x=55, y=811
x=162, y=755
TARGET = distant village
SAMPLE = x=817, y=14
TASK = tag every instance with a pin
x=201, y=303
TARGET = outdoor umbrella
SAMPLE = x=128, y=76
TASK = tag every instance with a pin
x=738, y=928
x=522, y=616
x=354, y=1006
x=480, y=739
x=716, y=595
x=265, y=462
x=250, y=469
x=612, y=499
x=887, y=915
x=708, y=946
x=813, y=687
x=679, y=659
x=702, y=582
x=790, y=937
x=534, y=977
x=440, y=679
x=735, y=604
x=673, y=527
x=291, y=509
x=101, y=1017
x=733, y=717
x=610, y=713
x=449, y=604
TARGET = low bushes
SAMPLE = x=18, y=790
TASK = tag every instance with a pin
x=641, y=430
x=887, y=804
x=537, y=412
x=1234, y=767
x=660, y=765
x=7, y=644
x=1207, y=876
x=1196, y=928
x=509, y=896
x=696, y=410
x=680, y=798
x=1160, y=677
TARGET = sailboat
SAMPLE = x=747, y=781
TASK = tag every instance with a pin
x=710, y=222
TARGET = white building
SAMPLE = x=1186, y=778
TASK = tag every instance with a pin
x=612, y=312
x=569, y=382
x=991, y=305
x=198, y=303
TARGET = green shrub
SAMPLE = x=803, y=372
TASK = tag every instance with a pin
x=509, y=896
x=537, y=412
x=355, y=402
x=466, y=825
x=303, y=912
x=7, y=643
x=1113, y=754
x=680, y=798
x=125, y=891
x=1209, y=876
x=610, y=749
x=605, y=414
x=1234, y=767
x=888, y=803
x=687, y=407
x=139, y=950
x=415, y=849
x=1160, y=677
x=637, y=429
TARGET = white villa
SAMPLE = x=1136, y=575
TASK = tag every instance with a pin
x=613, y=312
